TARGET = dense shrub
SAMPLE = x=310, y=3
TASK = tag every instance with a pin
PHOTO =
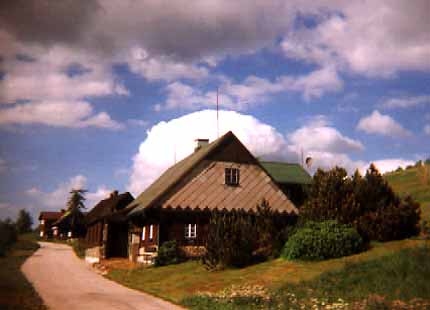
x=168, y=254
x=230, y=240
x=238, y=239
x=318, y=241
x=394, y=222
x=8, y=235
x=368, y=203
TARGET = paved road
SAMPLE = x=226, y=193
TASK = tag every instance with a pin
x=66, y=283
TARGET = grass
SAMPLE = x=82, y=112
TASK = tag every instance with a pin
x=176, y=282
x=15, y=290
x=401, y=276
x=413, y=182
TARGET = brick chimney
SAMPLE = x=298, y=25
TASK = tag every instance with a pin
x=201, y=143
x=113, y=194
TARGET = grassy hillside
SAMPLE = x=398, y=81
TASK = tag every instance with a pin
x=415, y=182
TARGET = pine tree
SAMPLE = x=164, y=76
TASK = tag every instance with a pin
x=23, y=222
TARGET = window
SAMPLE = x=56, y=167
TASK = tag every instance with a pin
x=151, y=232
x=232, y=176
x=190, y=231
x=144, y=233
x=42, y=222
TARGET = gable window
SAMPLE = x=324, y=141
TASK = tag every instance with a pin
x=144, y=233
x=190, y=231
x=232, y=176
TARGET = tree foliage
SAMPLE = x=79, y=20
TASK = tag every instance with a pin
x=23, y=222
x=8, y=235
x=368, y=203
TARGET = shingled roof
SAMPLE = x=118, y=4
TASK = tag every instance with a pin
x=108, y=207
x=287, y=173
x=172, y=176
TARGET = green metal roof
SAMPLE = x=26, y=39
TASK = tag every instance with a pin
x=287, y=172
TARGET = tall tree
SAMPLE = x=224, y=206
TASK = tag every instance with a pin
x=24, y=222
x=76, y=200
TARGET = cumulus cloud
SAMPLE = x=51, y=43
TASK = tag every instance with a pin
x=406, y=102
x=373, y=39
x=381, y=124
x=49, y=89
x=57, y=199
x=318, y=135
x=252, y=90
x=174, y=140
x=73, y=114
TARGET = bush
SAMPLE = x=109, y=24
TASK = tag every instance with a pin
x=168, y=254
x=367, y=203
x=79, y=247
x=230, y=240
x=318, y=241
x=8, y=235
x=394, y=222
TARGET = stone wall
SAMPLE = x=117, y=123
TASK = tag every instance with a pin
x=192, y=251
x=93, y=255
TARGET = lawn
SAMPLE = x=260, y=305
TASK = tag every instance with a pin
x=412, y=182
x=396, y=281
x=177, y=282
x=15, y=291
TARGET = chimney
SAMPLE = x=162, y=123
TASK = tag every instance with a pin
x=201, y=143
x=113, y=194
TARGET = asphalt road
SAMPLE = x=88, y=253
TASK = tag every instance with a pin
x=66, y=283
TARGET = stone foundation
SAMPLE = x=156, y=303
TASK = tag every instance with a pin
x=93, y=255
x=192, y=251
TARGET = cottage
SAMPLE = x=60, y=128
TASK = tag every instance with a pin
x=46, y=219
x=107, y=228
x=222, y=175
x=70, y=225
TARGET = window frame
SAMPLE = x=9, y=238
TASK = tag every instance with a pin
x=144, y=233
x=190, y=231
x=232, y=176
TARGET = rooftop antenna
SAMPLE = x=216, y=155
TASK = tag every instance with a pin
x=217, y=115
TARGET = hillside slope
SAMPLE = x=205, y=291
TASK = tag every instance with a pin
x=414, y=181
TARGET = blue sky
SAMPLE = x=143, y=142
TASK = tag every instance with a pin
x=103, y=101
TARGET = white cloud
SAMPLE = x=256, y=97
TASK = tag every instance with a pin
x=163, y=67
x=253, y=90
x=318, y=136
x=406, y=102
x=57, y=199
x=380, y=124
x=175, y=139
x=371, y=38
x=73, y=114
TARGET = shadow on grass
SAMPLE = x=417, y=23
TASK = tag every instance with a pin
x=15, y=290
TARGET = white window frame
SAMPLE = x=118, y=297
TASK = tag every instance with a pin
x=151, y=232
x=232, y=176
x=190, y=231
x=144, y=233
x=42, y=222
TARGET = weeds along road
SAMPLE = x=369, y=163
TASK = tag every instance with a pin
x=66, y=283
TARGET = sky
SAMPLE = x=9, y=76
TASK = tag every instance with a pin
x=104, y=94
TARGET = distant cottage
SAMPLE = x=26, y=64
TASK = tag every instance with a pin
x=222, y=175
x=46, y=220
x=107, y=228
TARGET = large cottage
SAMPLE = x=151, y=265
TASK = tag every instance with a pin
x=222, y=175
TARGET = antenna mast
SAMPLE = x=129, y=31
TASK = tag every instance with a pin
x=217, y=116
